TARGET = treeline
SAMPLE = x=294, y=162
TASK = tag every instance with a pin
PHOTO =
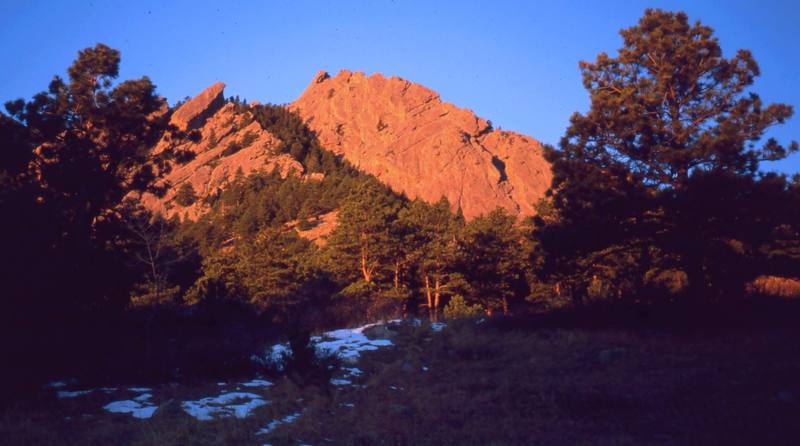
x=387, y=256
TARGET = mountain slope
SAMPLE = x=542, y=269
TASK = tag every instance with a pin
x=231, y=141
x=404, y=134
x=398, y=131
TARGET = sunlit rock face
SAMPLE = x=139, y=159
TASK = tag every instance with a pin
x=406, y=136
x=396, y=130
x=231, y=142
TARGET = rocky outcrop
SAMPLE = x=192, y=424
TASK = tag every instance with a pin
x=398, y=131
x=230, y=142
x=406, y=136
x=316, y=229
x=197, y=110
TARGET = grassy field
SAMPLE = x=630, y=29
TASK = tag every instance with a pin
x=496, y=382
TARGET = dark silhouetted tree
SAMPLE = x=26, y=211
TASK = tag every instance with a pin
x=71, y=154
x=646, y=183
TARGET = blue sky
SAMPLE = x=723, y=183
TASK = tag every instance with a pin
x=514, y=63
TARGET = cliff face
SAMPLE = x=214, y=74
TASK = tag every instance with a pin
x=404, y=134
x=396, y=130
x=230, y=141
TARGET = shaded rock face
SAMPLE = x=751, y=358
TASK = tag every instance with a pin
x=404, y=134
x=231, y=142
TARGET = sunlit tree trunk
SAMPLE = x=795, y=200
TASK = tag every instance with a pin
x=365, y=271
x=436, y=294
x=430, y=298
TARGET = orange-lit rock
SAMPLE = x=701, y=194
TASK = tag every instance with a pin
x=216, y=161
x=407, y=137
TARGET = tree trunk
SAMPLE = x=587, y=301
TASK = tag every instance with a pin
x=366, y=272
x=396, y=274
x=436, y=294
x=505, y=306
x=428, y=295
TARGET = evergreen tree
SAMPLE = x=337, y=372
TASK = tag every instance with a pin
x=266, y=272
x=492, y=259
x=71, y=154
x=430, y=242
x=359, y=248
x=185, y=195
x=640, y=180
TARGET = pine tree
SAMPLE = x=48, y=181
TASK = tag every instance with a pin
x=492, y=259
x=360, y=246
x=185, y=195
x=75, y=151
x=640, y=180
x=430, y=242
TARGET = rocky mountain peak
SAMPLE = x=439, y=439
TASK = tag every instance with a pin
x=231, y=141
x=194, y=112
x=419, y=145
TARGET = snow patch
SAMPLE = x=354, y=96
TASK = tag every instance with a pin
x=135, y=408
x=143, y=397
x=72, y=393
x=438, y=326
x=257, y=383
x=223, y=405
x=352, y=371
x=275, y=423
x=346, y=343
x=341, y=382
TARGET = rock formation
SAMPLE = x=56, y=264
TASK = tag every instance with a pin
x=396, y=130
x=404, y=134
x=231, y=141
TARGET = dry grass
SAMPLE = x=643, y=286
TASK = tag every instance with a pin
x=493, y=384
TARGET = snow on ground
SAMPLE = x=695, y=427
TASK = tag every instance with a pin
x=72, y=393
x=275, y=423
x=140, y=406
x=143, y=397
x=352, y=371
x=346, y=343
x=138, y=409
x=237, y=404
x=257, y=383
